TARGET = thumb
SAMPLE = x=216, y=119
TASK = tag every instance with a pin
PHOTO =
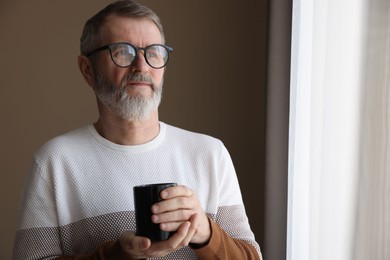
x=140, y=243
x=129, y=241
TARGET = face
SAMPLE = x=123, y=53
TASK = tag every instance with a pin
x=134, y=92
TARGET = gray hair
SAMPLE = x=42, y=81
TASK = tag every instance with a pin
x=92, y=35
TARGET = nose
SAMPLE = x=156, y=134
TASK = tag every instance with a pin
x=139, y=64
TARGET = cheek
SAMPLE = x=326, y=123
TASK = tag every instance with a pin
x=116, y=75
x=158, y=76
x=112, y=72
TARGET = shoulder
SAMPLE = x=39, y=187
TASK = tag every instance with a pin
x=68, y=141
x=195, y=144
x=190, y=137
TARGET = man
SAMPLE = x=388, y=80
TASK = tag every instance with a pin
x=78, y=200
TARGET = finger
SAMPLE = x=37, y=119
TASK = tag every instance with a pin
x=180, y=235
x=134, y=245
x=194, y=220
x=174, y=242
x=170, y=226
x=174, y=204
x=141, y=243
x=172, y=216
x=176, y=191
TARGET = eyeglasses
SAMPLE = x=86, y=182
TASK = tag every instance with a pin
x=123, y=54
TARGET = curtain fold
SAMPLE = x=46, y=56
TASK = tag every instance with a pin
x=372, y=231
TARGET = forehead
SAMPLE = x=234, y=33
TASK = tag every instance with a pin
x=133, y=30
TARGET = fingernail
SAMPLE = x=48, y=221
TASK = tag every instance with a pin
x=155, y=208
x=143, y=244
x=155, y=218
x=164, y=194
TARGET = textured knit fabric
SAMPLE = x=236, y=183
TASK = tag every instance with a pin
x=78, y=196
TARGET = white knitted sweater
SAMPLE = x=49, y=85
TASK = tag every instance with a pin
x=79, y=192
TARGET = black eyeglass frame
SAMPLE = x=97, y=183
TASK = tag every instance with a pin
x=109, y=46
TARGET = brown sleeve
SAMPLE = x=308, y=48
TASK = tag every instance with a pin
x=222, y=246
x=108, y=250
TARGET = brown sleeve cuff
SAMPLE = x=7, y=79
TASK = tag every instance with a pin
x=108, y=250
x=222, y=246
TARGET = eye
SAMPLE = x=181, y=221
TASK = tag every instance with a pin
x=119, y=51
x=123, y=54
x=156, y=52
x=152, y=55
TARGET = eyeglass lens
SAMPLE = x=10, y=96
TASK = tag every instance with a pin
x=124, y=54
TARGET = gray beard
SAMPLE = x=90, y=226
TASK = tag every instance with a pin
x=117, y=100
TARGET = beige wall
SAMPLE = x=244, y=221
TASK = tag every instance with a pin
x=215, y=84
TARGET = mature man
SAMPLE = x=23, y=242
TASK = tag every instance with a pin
x=78, y=200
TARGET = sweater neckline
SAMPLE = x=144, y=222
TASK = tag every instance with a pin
x=130, y=148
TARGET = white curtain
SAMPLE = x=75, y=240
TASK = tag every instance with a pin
x=339, y=145
x=372, y=236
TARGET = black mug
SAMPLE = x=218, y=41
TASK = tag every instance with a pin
x=144, y=198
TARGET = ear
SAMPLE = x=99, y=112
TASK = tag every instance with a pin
x=86, y=69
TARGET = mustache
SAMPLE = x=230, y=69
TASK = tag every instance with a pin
x=138, y=77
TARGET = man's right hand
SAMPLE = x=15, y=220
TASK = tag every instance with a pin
x=141, y=247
